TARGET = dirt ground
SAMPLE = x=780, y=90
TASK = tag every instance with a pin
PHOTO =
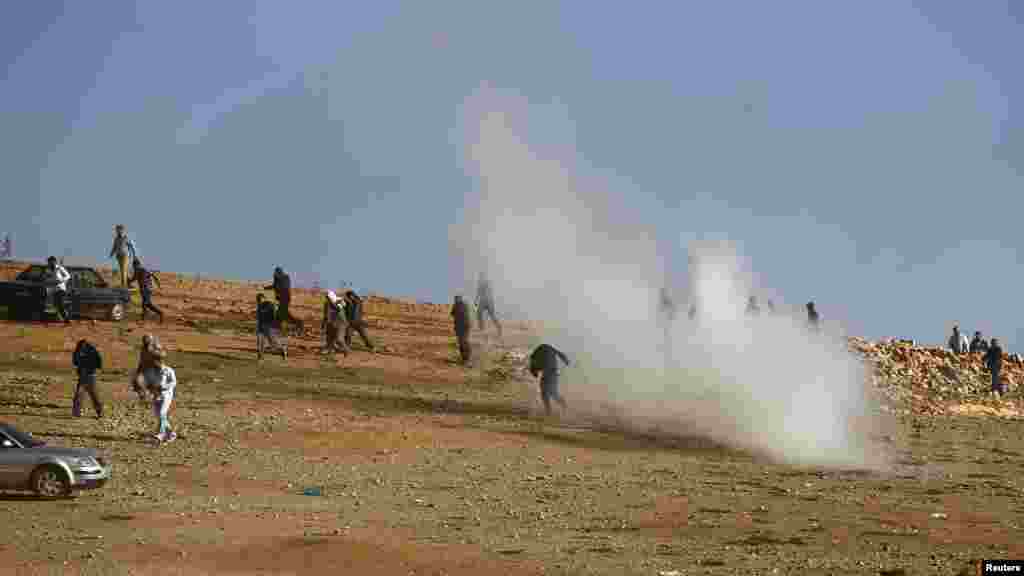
x=427, y=467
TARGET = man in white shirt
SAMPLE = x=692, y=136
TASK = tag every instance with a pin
x=58, y=278
x=161, y=381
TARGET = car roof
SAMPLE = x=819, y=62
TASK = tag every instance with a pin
x=32, y=266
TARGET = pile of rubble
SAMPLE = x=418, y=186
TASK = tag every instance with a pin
x=935, y=380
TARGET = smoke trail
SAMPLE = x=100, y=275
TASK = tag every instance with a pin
x=574, y=261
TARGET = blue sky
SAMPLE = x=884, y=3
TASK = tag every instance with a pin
x=869, y=155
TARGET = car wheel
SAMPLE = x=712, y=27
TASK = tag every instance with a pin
x=51, y=482
x=116, y=313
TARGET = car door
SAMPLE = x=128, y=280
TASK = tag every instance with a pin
x=15, y=463
x=89, y=290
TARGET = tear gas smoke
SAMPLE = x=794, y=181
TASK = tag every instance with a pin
x=571, y=261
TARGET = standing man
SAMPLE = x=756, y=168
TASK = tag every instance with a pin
x=813, y=320
x=485, y=303
x=266, y=328
x=145, y=278
x=544, y=360
x=87, y=360
x=282, y=287
x=333, y=322
x=994, y=362
x=7, y=249
x=354, y=313
x=667, y=312
x=752, y=307
x=460, y=314
x=124, y=250
x=161, y=381
x=666, y=305
x=978, y=344
x=58, y=278
x=957, y=341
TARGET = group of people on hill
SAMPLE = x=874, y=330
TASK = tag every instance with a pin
x=991, y=354
x=341, y=317
x=667, y=307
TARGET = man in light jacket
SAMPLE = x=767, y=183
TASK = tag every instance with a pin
x=958, y=342
x=124, y=250
x=334, y=321
x=161, y=382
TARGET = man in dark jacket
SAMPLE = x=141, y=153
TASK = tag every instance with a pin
x=667, y=305
x=978, y=344
x=266, y=328
x=145, y=277
x=753, y=309
x=87, y=360
x=544, y=360
x=354, y=313
x=994, y=362
x=150, y=349
x=460, y=314
x=282, y=288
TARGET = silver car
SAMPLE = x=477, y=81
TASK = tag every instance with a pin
x=50, y=471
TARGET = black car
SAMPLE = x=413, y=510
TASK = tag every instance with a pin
x=29, y=297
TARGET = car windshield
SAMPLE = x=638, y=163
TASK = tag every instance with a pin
x=24, y=438
x=34, y=273
x=87, y=278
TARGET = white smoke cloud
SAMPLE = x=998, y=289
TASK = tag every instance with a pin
x=574, y=261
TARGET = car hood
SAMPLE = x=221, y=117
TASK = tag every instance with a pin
x=60, y=452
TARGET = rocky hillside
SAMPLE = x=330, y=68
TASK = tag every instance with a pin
x=915, y=379
x=935, y=380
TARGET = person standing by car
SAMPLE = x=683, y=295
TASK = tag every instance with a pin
x=87, y=360
x=124, y=250
x=145, y=278
x=57, y=277
x=161, y=381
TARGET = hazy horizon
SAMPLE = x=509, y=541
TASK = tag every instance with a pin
x=867, y=157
